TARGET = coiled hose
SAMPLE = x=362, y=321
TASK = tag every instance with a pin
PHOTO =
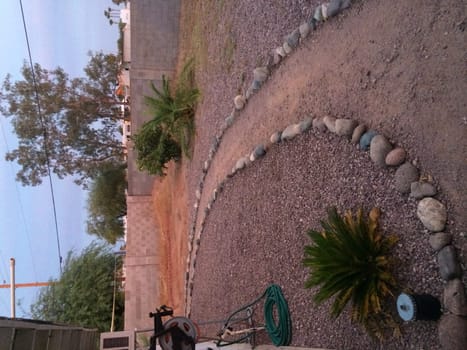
x=279, y=332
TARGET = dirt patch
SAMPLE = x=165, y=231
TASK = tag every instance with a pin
x=170, y=193
x=169, y=197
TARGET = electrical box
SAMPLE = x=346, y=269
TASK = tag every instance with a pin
x=124, y=340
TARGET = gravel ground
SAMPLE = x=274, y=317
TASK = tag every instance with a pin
x=255, y=233
x=254, y=28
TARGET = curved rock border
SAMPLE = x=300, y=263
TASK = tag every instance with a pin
x=431, y=212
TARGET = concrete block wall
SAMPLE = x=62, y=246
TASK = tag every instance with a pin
x=154, y=26
x=142, y=286
x=154, y=50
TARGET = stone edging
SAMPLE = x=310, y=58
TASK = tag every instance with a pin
x=431, y=212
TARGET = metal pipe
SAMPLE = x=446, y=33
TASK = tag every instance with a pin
x=12, y=288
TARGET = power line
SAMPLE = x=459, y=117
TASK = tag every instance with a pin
x=44, y=131
x=20, y=202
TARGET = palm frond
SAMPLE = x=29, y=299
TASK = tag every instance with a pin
x=172, y=125
x=350, y=262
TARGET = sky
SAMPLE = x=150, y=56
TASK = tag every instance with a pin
x=61, y=33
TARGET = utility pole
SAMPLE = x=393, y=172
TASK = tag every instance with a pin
x=12, y=288
x=112, y=323
x=13, y=285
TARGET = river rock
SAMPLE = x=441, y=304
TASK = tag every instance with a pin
x=305, y=124
x=447, y=262
x=439, y=240
x=452, y=332
x=241, y=163
x=379, y=149
x=319, y=125
x=404, y=176
x=276, y=58
x=260, y=74
x=396, y=157
x=419, y=190
x=280, y=51
x=287, y=48
x=324, y=11
x=290, y=132
x=258, y=152
x=206, y=166
x=333, y=8
x=330, y=123
x=357, y=133
x=454, y=297
x=292, y=38
x=276, y=137
x=304, y=30
x=318, y=14
x=432, y=213
x=229, y=120
x=255, y=85
x=239, y=102
x=336, y=6
x=345, y=4
x=345, y=127
x=366, y=138
x=312, y=23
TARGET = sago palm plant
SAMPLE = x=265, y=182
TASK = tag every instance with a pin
x=174, y=110
x=350, y=260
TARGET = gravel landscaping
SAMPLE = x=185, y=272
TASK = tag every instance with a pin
x=255, y=231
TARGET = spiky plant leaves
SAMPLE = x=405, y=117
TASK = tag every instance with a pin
x=350, y=261
x=174, y=110
x=170, y=131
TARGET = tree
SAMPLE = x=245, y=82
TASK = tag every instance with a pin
x=84, y=294
x=107, y=204
x=75, y=129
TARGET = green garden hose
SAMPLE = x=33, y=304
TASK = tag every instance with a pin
x=280, y=332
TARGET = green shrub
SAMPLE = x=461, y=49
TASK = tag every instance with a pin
x=350, y=260
x=174, y=112
x=155, y=149
x=169, y=133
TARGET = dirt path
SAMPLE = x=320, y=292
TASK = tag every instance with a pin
x=397, y=66
x=170, y=197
